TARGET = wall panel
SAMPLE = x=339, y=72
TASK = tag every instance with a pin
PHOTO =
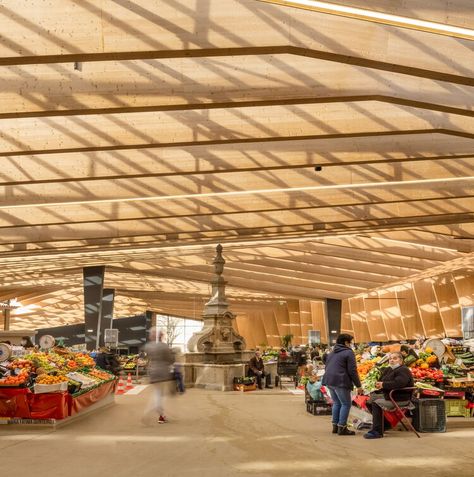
x=271, y=328
x=359, y=320
x=346, y=322
x=319, y=320
x=244, y=326
x=305, y=319
x=375, y=322
x=257, y=328
x=391, y=315
x=464, y=285
x=448, y=305
x=428, y=308
x=295, y=324
x=282, y=318
x=409, y=311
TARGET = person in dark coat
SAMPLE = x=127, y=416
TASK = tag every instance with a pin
x=340, y=377
x=257, y=369
x=397, y=376
x=107, y=360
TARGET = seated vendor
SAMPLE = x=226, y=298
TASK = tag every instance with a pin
x=257, y=369
x=396, y=376
x=313, y=386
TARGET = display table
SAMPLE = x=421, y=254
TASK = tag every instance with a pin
x=49, y=405
x=21, y=403
x=79, y=403
x=14, y=402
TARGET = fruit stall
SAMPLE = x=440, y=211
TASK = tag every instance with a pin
x=446, y=374
x=52, y=384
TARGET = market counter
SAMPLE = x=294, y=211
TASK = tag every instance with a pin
x=22, y=403
x=79, y=403
x=14, y=402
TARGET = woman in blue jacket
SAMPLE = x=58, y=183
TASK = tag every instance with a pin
x=340, y=377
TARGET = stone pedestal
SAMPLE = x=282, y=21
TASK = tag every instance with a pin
x=215, y=377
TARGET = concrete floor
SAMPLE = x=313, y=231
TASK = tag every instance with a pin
x=261, y=433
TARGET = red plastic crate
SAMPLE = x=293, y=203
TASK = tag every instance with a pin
x=455, y=394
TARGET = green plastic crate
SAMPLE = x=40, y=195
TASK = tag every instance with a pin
x=457, y=408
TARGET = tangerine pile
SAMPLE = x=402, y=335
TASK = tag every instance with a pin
x=13, y=380
x=48, y=379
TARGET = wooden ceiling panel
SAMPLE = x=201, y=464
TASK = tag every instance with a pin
x=138, y=138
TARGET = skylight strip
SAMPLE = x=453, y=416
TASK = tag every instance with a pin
x=377, y=17
x=362, y=185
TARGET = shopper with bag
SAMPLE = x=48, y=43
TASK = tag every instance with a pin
x=340, y=377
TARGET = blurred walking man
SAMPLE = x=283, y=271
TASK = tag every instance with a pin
x=160, y=359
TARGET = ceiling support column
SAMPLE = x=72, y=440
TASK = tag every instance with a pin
x=333, y=314
x=93, y=292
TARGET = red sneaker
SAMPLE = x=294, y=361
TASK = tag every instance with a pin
x=162, y=420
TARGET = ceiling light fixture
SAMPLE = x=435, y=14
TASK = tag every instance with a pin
x=377, y=17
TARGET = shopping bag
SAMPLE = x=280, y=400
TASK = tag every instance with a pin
x=359, y=418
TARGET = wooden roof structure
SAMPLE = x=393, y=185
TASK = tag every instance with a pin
x=138, y=135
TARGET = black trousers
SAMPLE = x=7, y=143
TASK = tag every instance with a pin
x=378, y=424
x=267, y=376
x=377, y=419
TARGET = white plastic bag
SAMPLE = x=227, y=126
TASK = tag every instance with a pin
x=359, y=418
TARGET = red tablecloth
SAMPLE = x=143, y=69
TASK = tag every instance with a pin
x=77, y=404
x=22, y=403
x=49, y=405
x=14, y=402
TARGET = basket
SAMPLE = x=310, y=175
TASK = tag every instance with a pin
x=429, y=415
x=245, y=387
x=457, y=408
x=318, y=408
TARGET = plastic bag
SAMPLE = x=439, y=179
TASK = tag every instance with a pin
x=359, y=418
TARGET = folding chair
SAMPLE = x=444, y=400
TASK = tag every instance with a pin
x=400, y=409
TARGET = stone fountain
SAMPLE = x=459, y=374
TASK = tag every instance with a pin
x=216, y=353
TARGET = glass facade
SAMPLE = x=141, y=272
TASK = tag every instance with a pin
x=178, y=330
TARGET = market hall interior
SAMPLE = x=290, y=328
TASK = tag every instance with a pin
x=328, y=148
x=211, y=433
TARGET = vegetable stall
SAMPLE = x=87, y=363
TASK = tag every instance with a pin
x=52, y=384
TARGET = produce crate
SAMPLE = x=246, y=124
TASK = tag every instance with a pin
x=429, y=393
x=455, y=394
x=457, y=408
x=245, y=387
x=429, y=415
x=50, y=388
x=318, y=408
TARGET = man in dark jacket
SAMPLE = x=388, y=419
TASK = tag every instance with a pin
x=257, y=369
x=107, y=360
x=340, y=377
x=397, y=376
